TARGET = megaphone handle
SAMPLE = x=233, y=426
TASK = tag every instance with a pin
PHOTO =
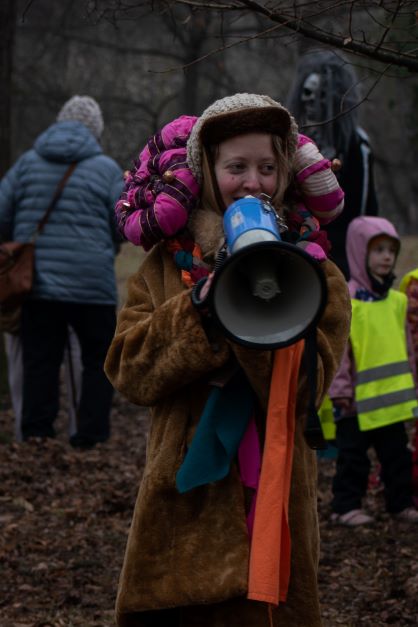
x=313, y=430
x=221, y=256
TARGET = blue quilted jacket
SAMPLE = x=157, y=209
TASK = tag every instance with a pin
x=75, y=253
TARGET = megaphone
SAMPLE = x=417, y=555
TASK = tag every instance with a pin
x=267, y=293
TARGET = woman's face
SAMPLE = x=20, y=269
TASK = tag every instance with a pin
x=246, y=165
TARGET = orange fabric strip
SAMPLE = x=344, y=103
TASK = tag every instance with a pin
x=269, y=570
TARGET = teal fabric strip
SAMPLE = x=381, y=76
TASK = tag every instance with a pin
x=218, y=434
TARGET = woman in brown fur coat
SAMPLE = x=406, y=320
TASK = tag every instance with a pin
x=188, y=557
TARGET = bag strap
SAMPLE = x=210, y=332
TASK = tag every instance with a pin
x=54, y=200
x=313, y=430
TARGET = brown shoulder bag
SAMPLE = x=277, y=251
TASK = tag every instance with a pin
x=17, y=261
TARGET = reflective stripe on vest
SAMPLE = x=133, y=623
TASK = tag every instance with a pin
x=385, y=391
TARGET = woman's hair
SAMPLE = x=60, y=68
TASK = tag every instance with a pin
x=211, y=197
x=285, y=171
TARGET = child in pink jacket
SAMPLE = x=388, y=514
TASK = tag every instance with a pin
x=374, y=392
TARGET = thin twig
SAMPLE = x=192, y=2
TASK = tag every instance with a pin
x=350, y=109
x=26, y=9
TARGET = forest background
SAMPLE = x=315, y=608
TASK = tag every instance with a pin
x=149, y=61
x=140, y=64
x=64, y=516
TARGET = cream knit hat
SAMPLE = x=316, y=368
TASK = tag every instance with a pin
x=83, y=109
x=237, y=114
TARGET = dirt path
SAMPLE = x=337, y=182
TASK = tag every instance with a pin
x=64, y=517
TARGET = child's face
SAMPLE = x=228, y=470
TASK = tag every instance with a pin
x=246, y=165
x=382, y=256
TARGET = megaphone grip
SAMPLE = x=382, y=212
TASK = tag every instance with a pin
x=222, y=254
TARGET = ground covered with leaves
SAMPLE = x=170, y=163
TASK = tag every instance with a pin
x=64, y=518
x=368, y=575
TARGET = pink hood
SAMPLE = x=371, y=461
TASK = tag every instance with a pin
x=360, y=232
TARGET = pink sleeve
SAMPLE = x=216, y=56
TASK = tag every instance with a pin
x=412, y=294
x=411, y=353
x=343, y=382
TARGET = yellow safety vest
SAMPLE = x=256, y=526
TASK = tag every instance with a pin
x=385, y=390
x=406, y=279
x=326, y=416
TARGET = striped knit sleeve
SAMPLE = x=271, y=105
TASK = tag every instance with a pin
x=316, y=182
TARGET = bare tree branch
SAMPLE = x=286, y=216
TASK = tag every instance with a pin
x=26, y=9
x=301, y=24
x=350, y=109
x=211, y=53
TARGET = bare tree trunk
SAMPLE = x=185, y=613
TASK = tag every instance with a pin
x=7, y=29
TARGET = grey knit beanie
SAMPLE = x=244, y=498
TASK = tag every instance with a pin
x=83, y=109
x=237, y=114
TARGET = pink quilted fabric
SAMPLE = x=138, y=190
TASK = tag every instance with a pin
x=161, y=191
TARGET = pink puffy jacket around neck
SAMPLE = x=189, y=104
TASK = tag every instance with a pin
x=161, y=191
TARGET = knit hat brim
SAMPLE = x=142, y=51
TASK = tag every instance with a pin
x=236, y=115
x=262, y=120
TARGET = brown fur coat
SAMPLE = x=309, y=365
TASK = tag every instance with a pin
x=189, y=552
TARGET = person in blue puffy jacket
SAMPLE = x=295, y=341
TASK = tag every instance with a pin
x=74, y=282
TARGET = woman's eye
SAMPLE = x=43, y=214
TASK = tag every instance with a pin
x=236, y=167
x=268, y=168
